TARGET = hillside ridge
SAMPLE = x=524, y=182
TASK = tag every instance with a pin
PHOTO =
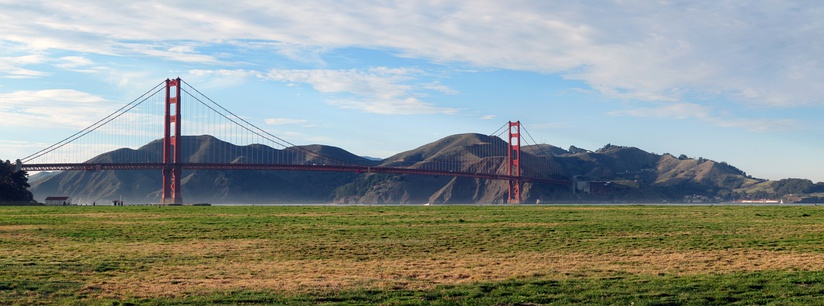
x=609, y=174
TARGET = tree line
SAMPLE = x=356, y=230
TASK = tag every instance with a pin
x=14, y=185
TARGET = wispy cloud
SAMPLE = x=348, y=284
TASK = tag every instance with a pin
x=14, y=67
x=377, y=90
x=764, y=54
x=378, y=82
x=173, y=51
x=52, y=108
x=72, y=62
x=408, y=106
x=437, y=86
x=675, y=111
x=288, y=121
x=221, y=78
x=298, y=52
x=547, y=125
x=78, y=64
x=690, y=111
x=49, y=96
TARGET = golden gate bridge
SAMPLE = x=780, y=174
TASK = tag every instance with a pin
x=139, y=123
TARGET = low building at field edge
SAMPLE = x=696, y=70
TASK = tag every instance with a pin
x=54, y=200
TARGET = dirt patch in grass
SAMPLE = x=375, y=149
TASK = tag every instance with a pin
x=292, y=276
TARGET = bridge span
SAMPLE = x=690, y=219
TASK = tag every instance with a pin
x=259, y=148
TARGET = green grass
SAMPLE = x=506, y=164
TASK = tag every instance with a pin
x=411, y=255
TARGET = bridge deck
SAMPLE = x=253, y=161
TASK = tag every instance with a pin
x=283, y=167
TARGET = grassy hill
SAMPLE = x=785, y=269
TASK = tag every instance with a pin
x=609, y=174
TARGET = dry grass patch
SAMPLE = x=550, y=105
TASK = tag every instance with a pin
x=470, y=224
x=121, y=222
x=127, y=215
x=294, y=276
x=139, y=252
x=20, y=227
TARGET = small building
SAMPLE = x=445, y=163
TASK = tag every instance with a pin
x=58, y=201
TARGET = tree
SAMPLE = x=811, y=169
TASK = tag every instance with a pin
x=13, y=184
x=792, y=186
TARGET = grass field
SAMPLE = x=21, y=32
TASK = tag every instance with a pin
x=441, y=255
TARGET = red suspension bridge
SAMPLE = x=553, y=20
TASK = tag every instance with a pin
x=139, y=122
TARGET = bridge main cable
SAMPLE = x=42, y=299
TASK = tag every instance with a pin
x=255, y=129
x=94, y=126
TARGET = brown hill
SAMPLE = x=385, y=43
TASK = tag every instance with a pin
x=236, y=186
x=612, y=173
x=672, y=171
x=478, y=153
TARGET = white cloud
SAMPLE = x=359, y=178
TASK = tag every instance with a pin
x=437, y=86
x=547, y=125
x=756, y=53
x=170, y=51
x=72, y=62
x=687, y=111
x=22, y=73
x=297, y=52
x=408, y=106
x=52, y=108
x=283, y=121
x=14, y=149
x=220, y=78
x=488, y=117
x=378, y=82
x=49, y=96
x=676, y=111
x=13, y=67
x=134, y=80
x=377, y=90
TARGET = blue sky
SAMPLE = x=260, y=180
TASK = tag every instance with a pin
x=733, y=81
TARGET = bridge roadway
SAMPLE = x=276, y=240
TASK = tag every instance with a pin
x=284, y=167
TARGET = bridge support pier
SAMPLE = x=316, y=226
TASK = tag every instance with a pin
x=171, y=145
x=514, y=160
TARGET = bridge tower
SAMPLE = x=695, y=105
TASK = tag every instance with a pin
x=514, y=160
x=172, y=168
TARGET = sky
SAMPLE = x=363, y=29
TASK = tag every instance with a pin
x=735, y=81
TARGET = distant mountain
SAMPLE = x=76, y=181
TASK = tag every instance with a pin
x=42, y=175
x=383, y=188
x=372, y=158
x=486, y=153
x=233, y=186
x=637, y=175
x=609, y=174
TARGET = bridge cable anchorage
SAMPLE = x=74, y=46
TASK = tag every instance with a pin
x=259, y=131
x=94, y=126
